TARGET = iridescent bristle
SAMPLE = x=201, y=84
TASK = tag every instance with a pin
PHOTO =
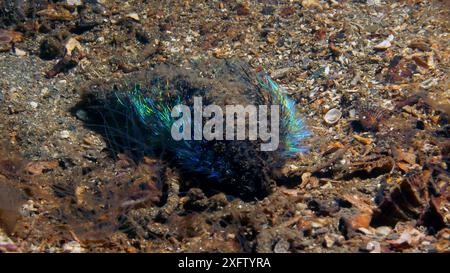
x=292, y=126
x=237, y=165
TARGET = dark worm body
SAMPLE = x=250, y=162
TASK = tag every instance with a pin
x=135, y=116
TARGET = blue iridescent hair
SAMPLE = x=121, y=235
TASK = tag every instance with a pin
x=154, y=113
x=155, y=116
x=293, y=128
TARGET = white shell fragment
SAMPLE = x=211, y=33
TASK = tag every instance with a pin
x=332, y=116
x=385, y=44
x=133, y=16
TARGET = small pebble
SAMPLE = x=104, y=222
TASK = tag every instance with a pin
x=81, y=114
x=373, y=247
x=72, y=247
x=326, y=71
x=282, y=246
x=316, y=225
x=365, y=231
x=328, y=241
x=383, y=231
x=33, y=104
x=373, y=2
x=74, y=2
x=319, y=231
x=393, y=236
x=65, y=134
x=44, y=92
x=61, y=84
x=28, y=209
x=352, y=113
x=20, y=52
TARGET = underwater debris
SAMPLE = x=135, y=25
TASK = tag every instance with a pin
x=415, y=198
x=142, y=118
x=10, y=201
x=66, y=63
x=39, y=167
x=10, y=36
x=242, y=9
x=350, y=225
x=400, y=70
x=51, y=48
x=13, y=12
x=94, y=213
x=11, y=196
x=56, y=12
x=367, y=167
